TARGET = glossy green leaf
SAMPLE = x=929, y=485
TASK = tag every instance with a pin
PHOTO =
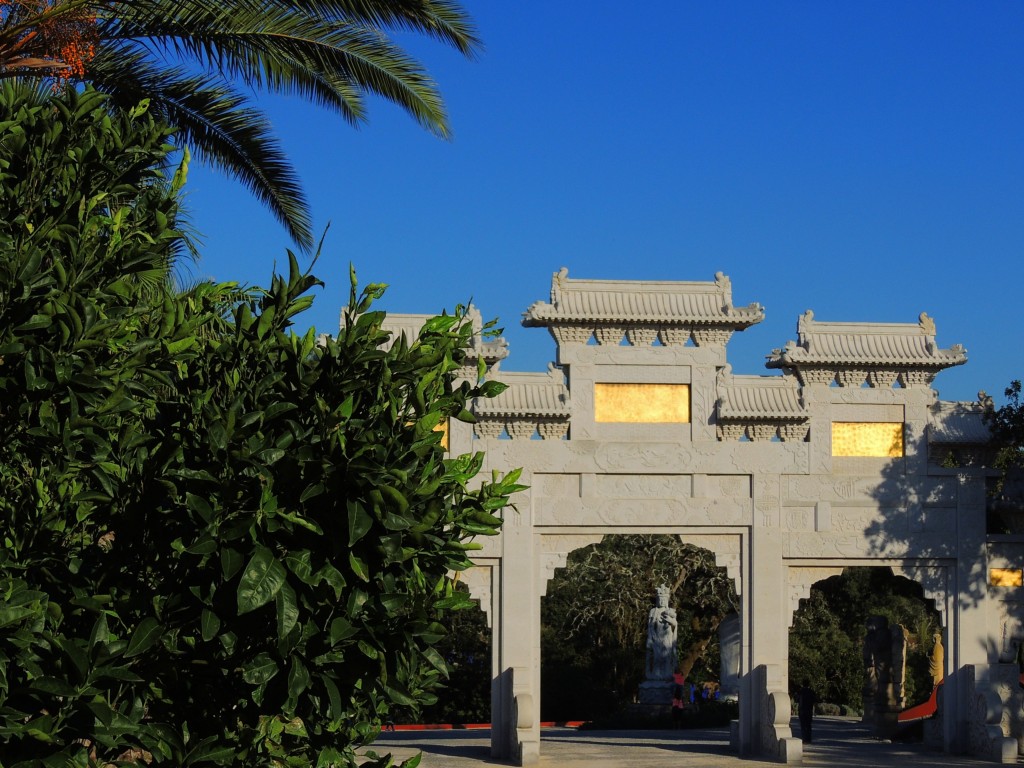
x=144, y=637
x=287, y=611
x=209, y=624
x=261, y=580
x=260, y=669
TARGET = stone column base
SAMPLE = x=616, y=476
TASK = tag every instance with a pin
x=656, y=692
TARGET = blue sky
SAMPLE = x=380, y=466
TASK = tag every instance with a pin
x=861, y=159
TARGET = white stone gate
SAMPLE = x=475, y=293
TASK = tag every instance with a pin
x=846, y=458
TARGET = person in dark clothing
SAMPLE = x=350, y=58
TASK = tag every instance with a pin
x=806, y=711
x=678, y=681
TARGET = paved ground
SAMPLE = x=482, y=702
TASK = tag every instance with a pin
x=839, y=743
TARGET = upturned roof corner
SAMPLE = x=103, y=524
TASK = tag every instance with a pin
x=880, y=352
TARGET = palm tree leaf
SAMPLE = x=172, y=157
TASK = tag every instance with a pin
x=215, y=121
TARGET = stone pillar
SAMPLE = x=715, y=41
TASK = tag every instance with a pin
x=515, y=695
x=764, y=694
x=967, y=640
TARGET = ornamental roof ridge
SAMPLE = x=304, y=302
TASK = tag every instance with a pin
x=866, y=344
x=528, y=394
x=660, y=302
x=759, y=397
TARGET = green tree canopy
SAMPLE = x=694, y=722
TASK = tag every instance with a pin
x=224, y=543
x=827, y=636
x=594, y=619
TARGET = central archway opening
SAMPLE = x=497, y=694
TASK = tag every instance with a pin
x=594, y=633
x=864, y=642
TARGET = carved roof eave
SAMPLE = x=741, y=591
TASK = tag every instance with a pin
x=542, y=395
x=759, y=398
x=884, y=346
x=958, y=423
x=660, y=304
x=792, y=364
x=491, y=351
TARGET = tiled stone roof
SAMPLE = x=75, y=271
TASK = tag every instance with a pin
x=885, y=345
x=528, y=394
x=957, y=423
x=648, y=302
x=746, y=398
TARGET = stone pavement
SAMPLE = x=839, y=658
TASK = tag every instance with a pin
x=839, y=743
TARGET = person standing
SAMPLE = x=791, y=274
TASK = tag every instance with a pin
x=806, y=710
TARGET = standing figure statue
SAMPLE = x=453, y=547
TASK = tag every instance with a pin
x=661, y=638
x=937, y=662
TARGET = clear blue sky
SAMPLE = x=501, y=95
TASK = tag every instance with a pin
x=861, y=159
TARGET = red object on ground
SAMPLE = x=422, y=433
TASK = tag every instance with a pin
x=478, y=726
x=921, y=711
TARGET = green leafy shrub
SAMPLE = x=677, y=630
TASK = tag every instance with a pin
x=224, y=543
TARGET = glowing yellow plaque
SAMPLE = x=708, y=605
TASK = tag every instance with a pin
x=878, y=439
x=1006, y=577
x=642, y=403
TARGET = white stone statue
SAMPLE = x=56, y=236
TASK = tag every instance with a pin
x=661, y=638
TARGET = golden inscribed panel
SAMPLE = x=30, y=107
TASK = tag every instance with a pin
x=878, y=439
x=642, y=403
x=1006, y=577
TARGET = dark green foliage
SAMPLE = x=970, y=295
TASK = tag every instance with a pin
x=1007, y=427
x=224, y=544
x=827, y=636
x=594, y=620
x=466, y=649
x=1005, y=509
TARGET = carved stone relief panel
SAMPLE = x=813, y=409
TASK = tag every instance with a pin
x=624, y=457
x=861, y=519
x=857, y=545
x=766, y=500
x=842, y=489
x=556, y=486
x=729, y=486
x=642, y=486
x=798, y=518
x=653, y=511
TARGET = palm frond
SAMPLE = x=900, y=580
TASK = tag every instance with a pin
x=215, y=121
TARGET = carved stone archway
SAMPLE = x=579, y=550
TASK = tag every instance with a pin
x=641, y=426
